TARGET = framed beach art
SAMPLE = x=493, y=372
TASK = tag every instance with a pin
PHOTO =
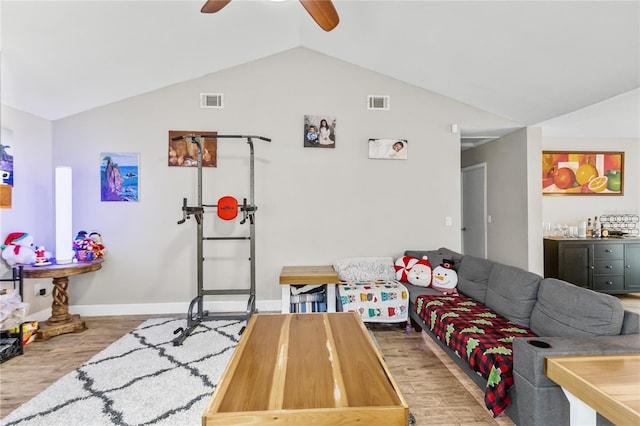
x=119, y=176
x=6, y=159
x=582, y=173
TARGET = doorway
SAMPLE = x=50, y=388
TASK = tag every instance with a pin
x=474, y=210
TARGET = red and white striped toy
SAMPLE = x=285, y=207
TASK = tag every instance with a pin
x=413, y=270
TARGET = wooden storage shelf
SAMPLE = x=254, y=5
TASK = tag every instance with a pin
x=308, y=275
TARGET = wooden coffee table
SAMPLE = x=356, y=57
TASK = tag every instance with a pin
x=313, y=368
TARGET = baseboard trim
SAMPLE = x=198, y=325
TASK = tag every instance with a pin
x=159, y=308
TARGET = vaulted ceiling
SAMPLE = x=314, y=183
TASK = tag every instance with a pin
x=529, y=61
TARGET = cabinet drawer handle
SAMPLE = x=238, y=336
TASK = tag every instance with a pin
x=608, y=251
x=628, y=266
x=609, y=267
x=609, y=282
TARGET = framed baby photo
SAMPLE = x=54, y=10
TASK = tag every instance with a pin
x=388, y=149
x=319, y=131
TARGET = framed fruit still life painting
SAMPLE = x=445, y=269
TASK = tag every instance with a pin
x=582, y=173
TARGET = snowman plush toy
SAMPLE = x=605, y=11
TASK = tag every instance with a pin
x=445, y=278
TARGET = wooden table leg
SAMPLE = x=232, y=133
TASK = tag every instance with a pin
x=61, y=321
x=60, y=305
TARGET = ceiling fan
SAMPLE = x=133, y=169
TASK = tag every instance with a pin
x=322, y=11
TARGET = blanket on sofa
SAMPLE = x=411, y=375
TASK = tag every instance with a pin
x=479, y=336
x=379, y=301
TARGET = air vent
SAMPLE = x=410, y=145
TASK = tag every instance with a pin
x=211, y=100
x=378, y=102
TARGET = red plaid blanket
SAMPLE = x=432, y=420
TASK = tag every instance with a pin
x=479, y=336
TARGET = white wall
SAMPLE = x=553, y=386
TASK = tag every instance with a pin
x=534, y=201
x=314, y=205
x=573, y=209
x=516, y=204
x=507, y=198
x=32, y=195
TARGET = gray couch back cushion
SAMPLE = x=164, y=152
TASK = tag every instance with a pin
x=512, y=292
x=566, y=310
x=473, y=277
x=436, y=256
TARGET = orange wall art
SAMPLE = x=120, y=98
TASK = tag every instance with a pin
x=582, y=173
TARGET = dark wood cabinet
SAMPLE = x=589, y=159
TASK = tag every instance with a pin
x=632, y=267
x=608, y=265
x=576, y=267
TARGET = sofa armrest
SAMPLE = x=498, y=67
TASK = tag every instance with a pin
x=631, y=323
x=529, y=354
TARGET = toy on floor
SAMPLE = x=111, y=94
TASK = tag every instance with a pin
x=445, y=278
x=29, y=330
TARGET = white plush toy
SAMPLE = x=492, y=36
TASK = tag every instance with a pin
x=445, y=278
x=18, y=248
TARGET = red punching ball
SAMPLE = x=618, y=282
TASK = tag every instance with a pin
x=227, y=208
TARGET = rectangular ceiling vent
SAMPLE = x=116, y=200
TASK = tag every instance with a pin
x=378, y=102
x=211, y=100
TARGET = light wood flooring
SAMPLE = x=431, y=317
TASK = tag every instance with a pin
x=44, y=362
x=433, y=393
x=437, y=391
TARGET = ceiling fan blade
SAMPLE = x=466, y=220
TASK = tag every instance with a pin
x=323, y=12
x=212, y=6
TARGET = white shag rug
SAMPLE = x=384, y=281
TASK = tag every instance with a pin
x=140, y=379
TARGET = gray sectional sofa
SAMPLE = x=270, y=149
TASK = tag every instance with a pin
x=568, y=320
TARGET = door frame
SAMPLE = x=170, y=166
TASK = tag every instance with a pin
x=483, y=167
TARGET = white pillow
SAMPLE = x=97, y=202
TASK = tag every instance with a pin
x=365, y=268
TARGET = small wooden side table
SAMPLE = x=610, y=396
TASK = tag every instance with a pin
x=605, y=384
x=304, y=275
x=61, y=321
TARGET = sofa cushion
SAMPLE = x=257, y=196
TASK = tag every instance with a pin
x=415, y=291
x=436, y=256
x=477, y=335
x=512, y=292
x=473, y=277
x=566, y=310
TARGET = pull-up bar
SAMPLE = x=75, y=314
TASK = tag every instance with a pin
x=177, y=138
x=196, y=312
